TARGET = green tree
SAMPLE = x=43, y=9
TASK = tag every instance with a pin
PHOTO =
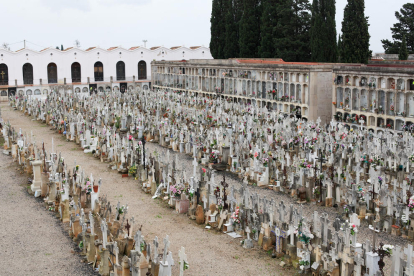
x=355, y=35
x=61, y=47
x=403, y=55
x=339, y=49
x=218, y=32
x=268, y=23
x=249, y=38
x=316, y=32
x=404, y=27
x=330, y=47
x=292, y=32
x=232, y=11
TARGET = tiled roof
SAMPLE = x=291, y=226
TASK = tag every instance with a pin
x=175, y=47
x=42, y=50
x=20, y=50
x=194, y=47
x=112, y=48
x=154, y=48
x=133, y=48
x=68, y=49
x=90, y=48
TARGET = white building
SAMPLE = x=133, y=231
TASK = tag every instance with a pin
x=36, y=72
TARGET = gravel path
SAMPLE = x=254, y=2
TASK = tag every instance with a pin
x=33, y=241
x=208, y=252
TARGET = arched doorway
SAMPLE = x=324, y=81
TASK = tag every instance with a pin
x=76, y=72
x=4, y=74
x=98, y=71
x=27, y=73
x=52, y=73
x=120, y=70
x=142, y=70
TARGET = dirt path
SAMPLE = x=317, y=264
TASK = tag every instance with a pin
x=32, y=240
x=209, y=253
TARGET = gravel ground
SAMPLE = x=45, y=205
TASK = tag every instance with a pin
x=205, y=253
x=33, y=241
x=208, y=252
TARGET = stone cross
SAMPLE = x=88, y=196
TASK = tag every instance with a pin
x=359, y=263
x=138, y=240
x=409, y=252
x=91, y=222
x=116, y=252
x=183, y=260
x=396, y=261
x=291, y=234
x=279, y=234
x=166, y=244
x=155, y=260
x=104, y=229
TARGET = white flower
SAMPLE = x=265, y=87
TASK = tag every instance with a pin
x=301, y=267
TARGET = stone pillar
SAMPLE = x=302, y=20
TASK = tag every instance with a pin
x=14, y=152
x=37, y=180
x=125, y=266
x=64, y=207
x=104, y=264
x=91, y=248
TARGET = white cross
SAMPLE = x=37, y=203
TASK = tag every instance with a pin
x=116, y=252
x=409, y=252
x=183, y=260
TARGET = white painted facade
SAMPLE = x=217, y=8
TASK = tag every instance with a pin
x=87, y=59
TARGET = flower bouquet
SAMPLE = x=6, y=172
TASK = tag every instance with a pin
x=236, y=216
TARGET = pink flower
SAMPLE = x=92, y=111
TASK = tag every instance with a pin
x=256, y=154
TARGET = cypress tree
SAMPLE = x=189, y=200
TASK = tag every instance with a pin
x=268, y=24
x=217, y=30
x=403, y=55
x=323, y=31
x=339, y=50
x=250, y=29
x=231, y=45
x=331, y=54
x=292, y=31
x=355, y=36
x=315, y=32
x=61, y=47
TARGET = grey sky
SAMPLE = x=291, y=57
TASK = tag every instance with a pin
x=109, y=23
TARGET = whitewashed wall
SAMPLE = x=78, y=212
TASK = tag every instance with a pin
x=87, y=59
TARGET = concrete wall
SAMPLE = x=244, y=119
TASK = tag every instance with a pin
x=320, y=96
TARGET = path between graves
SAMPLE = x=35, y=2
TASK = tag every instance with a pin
x=209, y=253
x=32, y=240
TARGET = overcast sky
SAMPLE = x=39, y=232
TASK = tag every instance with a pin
x=127, y=23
